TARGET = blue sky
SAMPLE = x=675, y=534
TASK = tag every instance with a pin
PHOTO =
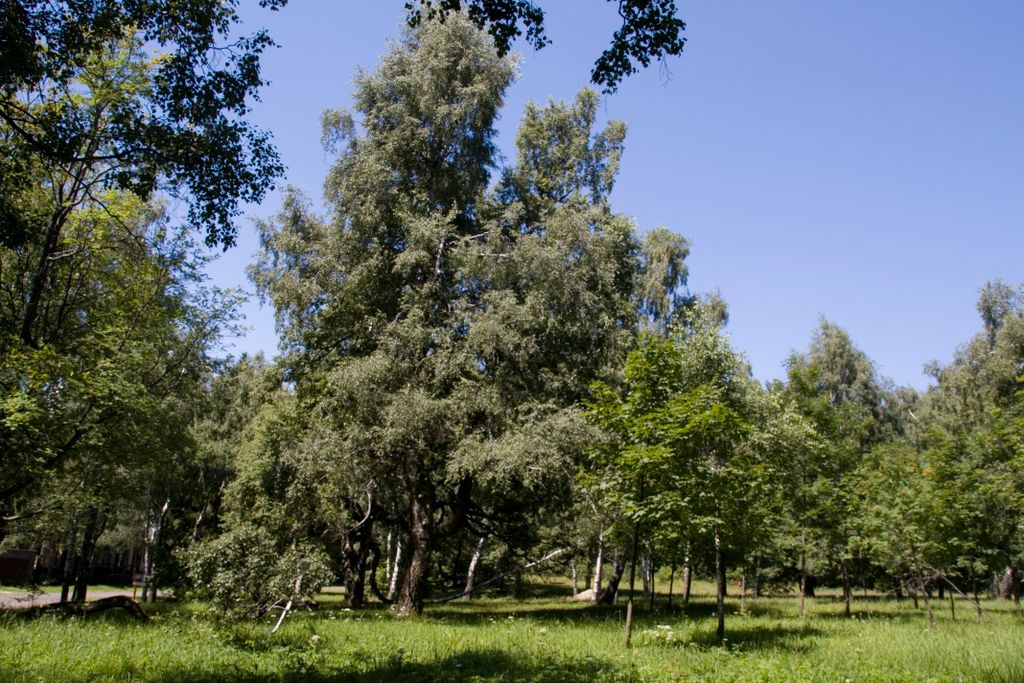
x=858, y=160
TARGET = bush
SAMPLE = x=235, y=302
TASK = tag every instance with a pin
x=244, y=572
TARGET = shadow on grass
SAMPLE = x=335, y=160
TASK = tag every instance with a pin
x=473, y=665
x=587, y=613
x=794, y=638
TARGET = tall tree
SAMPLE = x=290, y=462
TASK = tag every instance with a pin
x=445, y=331
x=835, y=385
x=681, y=461
x=973, y=421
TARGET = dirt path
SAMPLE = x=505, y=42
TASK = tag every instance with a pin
x=18, y=600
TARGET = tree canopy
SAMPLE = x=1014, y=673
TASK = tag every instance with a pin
x=650, y=30
x=177, y=125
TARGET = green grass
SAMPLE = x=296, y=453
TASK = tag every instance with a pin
x=541, y=639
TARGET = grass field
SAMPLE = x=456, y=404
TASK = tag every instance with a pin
x=540, y=639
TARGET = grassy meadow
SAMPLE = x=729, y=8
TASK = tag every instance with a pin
x=538, y=639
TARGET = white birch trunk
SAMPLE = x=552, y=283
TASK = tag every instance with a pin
x=395, y=569
x=474, y=562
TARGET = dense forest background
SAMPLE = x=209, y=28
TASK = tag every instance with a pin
x=482, y=363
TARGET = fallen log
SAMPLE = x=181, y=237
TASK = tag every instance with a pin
x=96, y=606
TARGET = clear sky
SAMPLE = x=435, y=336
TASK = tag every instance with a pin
x=858, y=160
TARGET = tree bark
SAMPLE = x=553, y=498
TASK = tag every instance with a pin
x=374, y=551
x=671, y=581
x=355, y=548
x=743, y=591
x=355, y=573
x=37, y=284
x=632, y=580
x=720, y=580
x=474, y=562
x=847, y=592
x=421, y=527
x=154, y=526
x=102, y=605
x=387, y=557
x=84, y=569
x=70, y=560
x=927, y=601
x=395, y=570
x=611, y=591
x=687, y=575
x=599, y=566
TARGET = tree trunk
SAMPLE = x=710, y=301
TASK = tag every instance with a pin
x=687, y=576
x=575, y=578
x=387, y=557
x=154, y=525
x=395, y=570
x=1015, y=587
x=70, y=560
x=355, y=550
x=421, y=536
x=84, y=570
x=518, y=586
x=455, y=577
x=743, y=591
x=720, y=580
x=1004, y=584
x=671, y=581
x=654, y=591
x=414, y=583
x=803, y=581
x=84, y=609
x=599, y=566
x=632, y=581
x=927, y=601
x=474, y=562
x=37, y=284
x=611, y=592
x=374, y=550
x=355, y=577
x=847, y=593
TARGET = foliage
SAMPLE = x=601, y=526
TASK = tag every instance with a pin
x=974, y=439
x=649, y=30
x=123, y=334
x=180, y=126
x=245, y=572
x=835, y=387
